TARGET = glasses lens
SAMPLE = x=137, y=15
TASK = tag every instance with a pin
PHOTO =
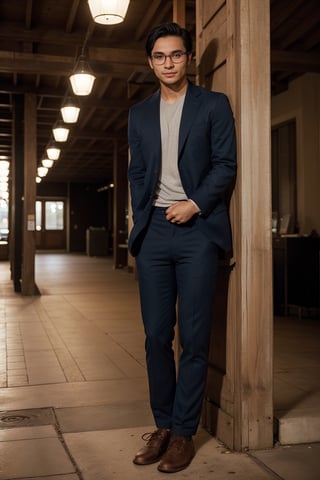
x=177, y=57
x=160, y=58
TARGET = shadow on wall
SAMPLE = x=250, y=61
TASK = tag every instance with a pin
x=207, y=64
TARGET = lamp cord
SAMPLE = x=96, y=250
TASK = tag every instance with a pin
x=88, y=35
x=89, y=32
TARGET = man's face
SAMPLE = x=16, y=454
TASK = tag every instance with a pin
x=170, y=73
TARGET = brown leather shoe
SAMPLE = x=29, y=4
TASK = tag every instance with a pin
x=155, y=447
x=178, y=456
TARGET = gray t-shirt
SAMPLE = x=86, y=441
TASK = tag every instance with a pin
x=170, y=189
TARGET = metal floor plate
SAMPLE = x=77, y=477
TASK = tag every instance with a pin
x=27, y=418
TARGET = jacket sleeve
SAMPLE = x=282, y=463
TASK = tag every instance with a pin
x=136, y=169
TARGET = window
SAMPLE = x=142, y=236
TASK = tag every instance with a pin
x=53, y=212
x=38, y=216
x=4, y=230
x=284, y=177
x=54, y=215
x=4, y=199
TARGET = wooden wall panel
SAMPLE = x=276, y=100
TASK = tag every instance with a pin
x=212, y=49
x=207, y=10
x=219, y=80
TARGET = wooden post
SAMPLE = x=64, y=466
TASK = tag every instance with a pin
x=120, y=200
x=233, y=56
x=252, y=289
x=28, y=286
x=179, y=12
x=16, y=194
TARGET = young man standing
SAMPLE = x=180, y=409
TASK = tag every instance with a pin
x=182, y=147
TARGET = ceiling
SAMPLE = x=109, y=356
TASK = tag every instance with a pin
x=41, y=40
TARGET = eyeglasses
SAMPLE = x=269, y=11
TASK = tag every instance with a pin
x=160, y=58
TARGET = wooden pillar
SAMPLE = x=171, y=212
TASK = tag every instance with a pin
x=16, y=193
x=252, y=286
x=28, y=286
x=233, y=56
x=120, y=200
x=179, y=12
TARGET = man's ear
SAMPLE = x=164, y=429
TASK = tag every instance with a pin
x=150, y=62
x=189, y=58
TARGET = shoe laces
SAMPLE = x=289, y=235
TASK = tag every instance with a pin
x=151, y=437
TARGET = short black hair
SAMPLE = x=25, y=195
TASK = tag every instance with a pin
x=166, y=30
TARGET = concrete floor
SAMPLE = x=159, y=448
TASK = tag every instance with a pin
x=297, y=379
x=73, y=390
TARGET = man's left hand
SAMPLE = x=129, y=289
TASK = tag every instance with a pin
x=181, y=212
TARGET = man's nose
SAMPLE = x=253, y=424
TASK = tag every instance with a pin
x=168, y=62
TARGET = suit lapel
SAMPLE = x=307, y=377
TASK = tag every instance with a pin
x=153, y=112
x=189, y=112
x=190, y=109
x=153, y=124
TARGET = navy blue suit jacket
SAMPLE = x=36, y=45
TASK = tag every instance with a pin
x=206, y=161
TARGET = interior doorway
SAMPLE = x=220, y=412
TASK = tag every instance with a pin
x=284, y=178
x=51, y=224
x=296, y=297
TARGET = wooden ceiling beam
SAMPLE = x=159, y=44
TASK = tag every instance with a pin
x=77, y=134
x=72, y=15
x=147, y=18
x=281, y=12
x=295, y=61
x=28, y=18
x=61, y=38
x=103, y=62
x=296, y=34
x=93, y=102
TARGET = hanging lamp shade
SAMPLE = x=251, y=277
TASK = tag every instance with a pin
x=60, y=132
x=4, y=166
x=82, y=79
x=46, y=162
x=108, y=12
x=42, y=171
x=70, y=111
x=53, y=152
x=4, y=195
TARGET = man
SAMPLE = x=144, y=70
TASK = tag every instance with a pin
x=182, y=147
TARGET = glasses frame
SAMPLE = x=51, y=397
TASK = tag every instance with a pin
x=171, y=55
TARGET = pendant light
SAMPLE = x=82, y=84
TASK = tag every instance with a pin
x=108, y=12
x=70, y=111
x=60, y=132
x=3, y=186
x=5, y=195
x=82, y=79
x=46, y=162
x=53, y=151
x=42, y=171
x=4, y=167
